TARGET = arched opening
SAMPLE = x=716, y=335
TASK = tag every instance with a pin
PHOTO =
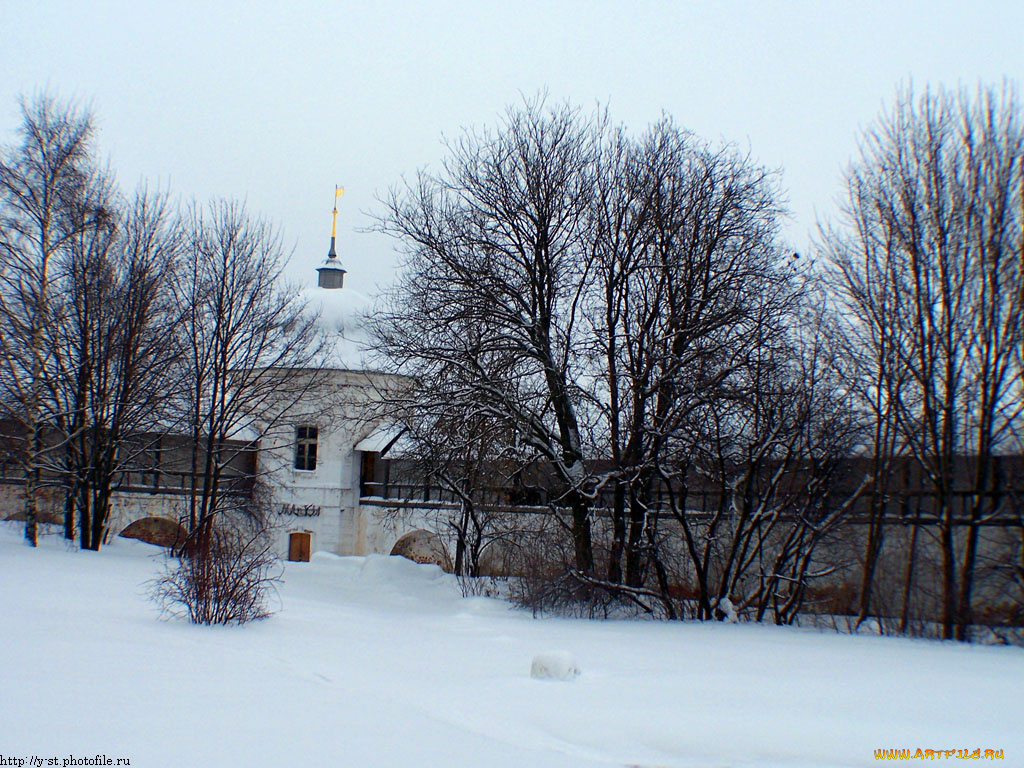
x=156, y=530
x=422, y=546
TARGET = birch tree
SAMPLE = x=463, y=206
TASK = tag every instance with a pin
x=50, y=193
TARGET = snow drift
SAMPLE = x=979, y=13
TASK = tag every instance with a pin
x=380, y=661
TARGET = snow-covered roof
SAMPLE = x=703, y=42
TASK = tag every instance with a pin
x=330, y=263
x=385, y=439
x=341, y=312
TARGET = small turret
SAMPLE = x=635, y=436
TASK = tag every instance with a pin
x=332, y=274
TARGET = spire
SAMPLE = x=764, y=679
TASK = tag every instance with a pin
x=332, y=274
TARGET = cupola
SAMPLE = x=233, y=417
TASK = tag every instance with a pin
x=331, y=274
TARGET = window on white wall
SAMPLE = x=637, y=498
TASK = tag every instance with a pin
x=305, y=448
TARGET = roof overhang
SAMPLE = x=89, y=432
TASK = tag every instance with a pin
x=385, y=440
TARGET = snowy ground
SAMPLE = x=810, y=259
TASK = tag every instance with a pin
x=379, y=662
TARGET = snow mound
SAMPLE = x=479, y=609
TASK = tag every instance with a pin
x=382, y=580
x=870, y=627
x=396, y=571
x=728, y=610
x=554, y=665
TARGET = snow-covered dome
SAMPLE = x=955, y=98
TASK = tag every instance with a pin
x=341, y=312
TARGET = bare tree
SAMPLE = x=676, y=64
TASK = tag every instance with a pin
x=862, y=278
x=686, y=256
x=250, y=352
x=468, y=457
x=113, y=356
x=50, y=193
x=617, y=308
x=497, y=262
x=930, y=264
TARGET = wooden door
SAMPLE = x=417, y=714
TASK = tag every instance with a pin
x=298, y=546
x=367, y=475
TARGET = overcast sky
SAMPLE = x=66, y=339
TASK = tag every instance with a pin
x=276, y=102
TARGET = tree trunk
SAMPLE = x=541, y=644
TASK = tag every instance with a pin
x=872, y=551
x=949, y=616
x=618, y=532
x=637, y=523
x=908, y=580
x=581, y=533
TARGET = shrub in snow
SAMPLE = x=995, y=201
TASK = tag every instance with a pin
x=222, y=576
x=554, y=665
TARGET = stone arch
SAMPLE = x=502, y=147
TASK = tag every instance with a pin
x=160, y=531
x=423, y=546
x=499, y=559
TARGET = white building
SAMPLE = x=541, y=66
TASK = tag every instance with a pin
x=321, y=456
x=314, y=460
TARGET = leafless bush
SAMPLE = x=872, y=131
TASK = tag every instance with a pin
x=223, y=577
x=540, y=564
x=483, y=586
x=547, y=580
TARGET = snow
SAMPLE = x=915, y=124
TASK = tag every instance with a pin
x=728, y=610
x=386, y=439
x=379, y=661
x=341, y=313
x=554, y=665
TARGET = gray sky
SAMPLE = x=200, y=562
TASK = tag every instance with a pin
x=276, y=102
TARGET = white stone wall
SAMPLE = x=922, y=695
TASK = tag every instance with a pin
x=325, y=502
x=125, y=508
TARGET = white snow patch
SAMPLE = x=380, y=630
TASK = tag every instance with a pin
x=870, y=627
x=554, y=665
x=341, y=313
x=380, y=661
x=728, y=610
